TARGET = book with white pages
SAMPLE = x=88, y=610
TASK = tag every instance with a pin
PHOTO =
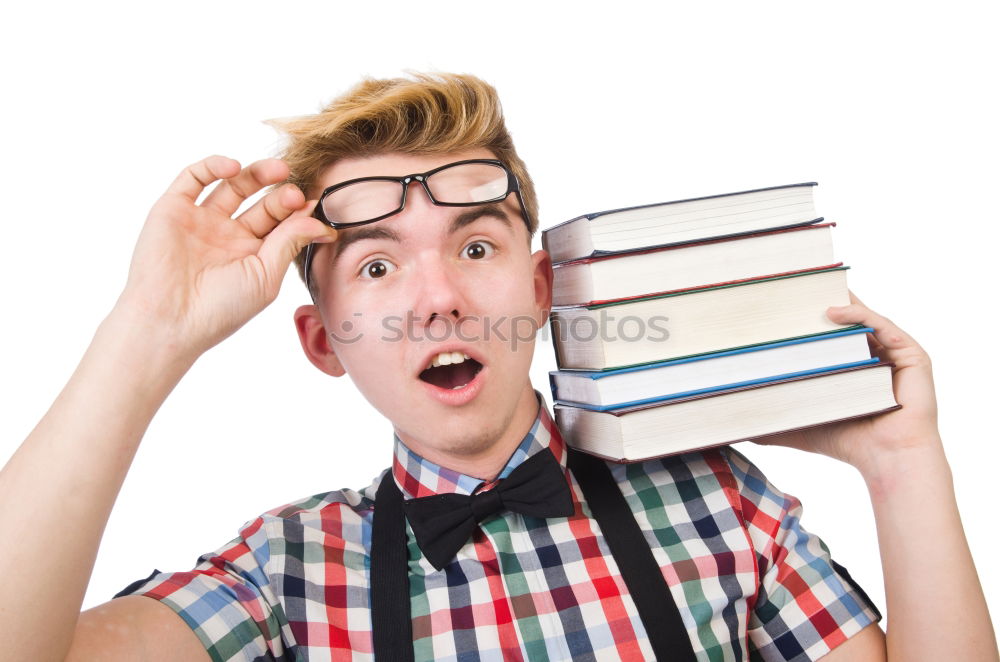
x=602, y=390
x=679, y=221
x=670, y=326
x=670, y=268
x=668, y=427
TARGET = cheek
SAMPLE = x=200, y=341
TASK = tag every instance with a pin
x=362, y=308
x=358, y=329
x=510, y=315
x=510, y=289
x=372, y=354
x=366, y=330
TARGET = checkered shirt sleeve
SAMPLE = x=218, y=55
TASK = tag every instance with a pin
x=807, y=604
x=226, y=599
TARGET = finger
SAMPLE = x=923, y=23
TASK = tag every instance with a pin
x=273, y=208
x=790, y=439
x=886, y=333
x=230, y=193
x=288, y=239
x=874, y=346
x=194, y=178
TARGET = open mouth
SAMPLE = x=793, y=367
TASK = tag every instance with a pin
x=452, y=375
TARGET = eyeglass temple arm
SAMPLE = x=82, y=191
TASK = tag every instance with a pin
x=307, y=267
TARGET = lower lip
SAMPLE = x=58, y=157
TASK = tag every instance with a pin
x=458, y=396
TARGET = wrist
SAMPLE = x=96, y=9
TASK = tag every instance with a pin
x=910, y=467
x=144, y=344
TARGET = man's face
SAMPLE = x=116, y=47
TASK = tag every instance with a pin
x=397, y=293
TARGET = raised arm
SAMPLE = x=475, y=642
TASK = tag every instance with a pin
x=936, y=609
x=197, y=275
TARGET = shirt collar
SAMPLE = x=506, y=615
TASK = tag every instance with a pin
x=419, y=477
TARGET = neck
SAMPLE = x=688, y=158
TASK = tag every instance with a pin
x=488, y=460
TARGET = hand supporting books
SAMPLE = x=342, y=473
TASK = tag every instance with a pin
x=870, y=444
x=721, y=337
x=772, y=388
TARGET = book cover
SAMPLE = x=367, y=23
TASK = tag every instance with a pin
x=615, y=443
x=719, y=388
x=679, y=221
x=606, y=212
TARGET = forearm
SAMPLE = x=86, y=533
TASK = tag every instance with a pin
x=58, y=489
x=936, y=607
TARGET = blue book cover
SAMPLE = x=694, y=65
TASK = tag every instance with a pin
x=705, y=357
x=722, y=387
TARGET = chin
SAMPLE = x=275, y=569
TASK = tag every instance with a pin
x=465, y=432
x=473, y=442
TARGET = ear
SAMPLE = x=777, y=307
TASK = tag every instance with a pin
x=313, y=336
x=542, y=264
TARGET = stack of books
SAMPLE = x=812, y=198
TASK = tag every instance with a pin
x=701, y=322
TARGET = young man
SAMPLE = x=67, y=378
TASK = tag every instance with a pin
x=522, y=568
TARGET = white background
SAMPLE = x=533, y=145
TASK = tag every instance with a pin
x=891, y=107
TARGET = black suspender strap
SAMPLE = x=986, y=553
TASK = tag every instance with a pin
x=392, y=628
x=642, y=575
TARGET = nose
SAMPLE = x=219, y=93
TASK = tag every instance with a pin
x=440, y=300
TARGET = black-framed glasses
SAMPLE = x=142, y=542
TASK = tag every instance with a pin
x=365, y=200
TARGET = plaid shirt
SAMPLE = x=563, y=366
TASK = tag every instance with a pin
x=749, y=581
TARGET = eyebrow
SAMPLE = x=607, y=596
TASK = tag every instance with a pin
x=376, y=231
x=347, y=237
x=492, y=210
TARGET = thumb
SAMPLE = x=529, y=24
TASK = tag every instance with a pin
x=288, y=238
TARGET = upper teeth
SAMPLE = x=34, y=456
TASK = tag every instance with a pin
x=447, y=358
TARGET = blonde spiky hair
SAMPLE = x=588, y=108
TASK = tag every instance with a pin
x=425, y=114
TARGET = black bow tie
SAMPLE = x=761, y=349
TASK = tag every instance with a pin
x=442, y=523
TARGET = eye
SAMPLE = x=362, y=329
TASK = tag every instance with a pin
x=376, y=269
x=477, y=250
